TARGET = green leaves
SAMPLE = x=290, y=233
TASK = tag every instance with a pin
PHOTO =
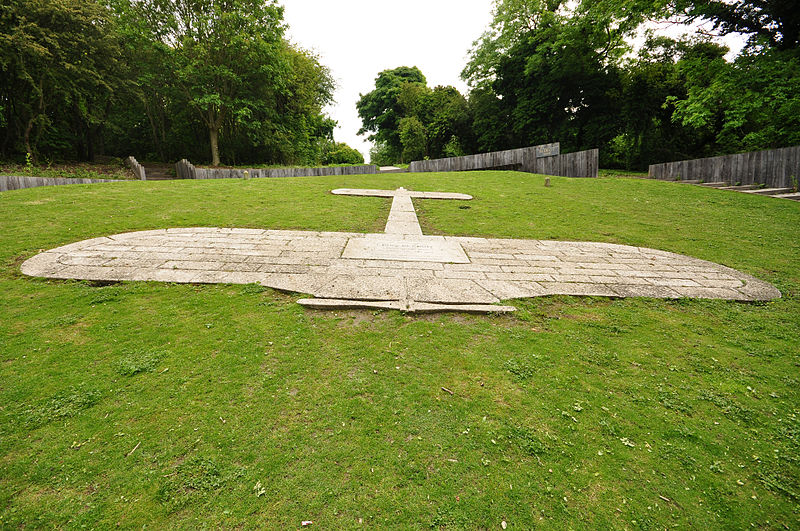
x=143, y=77
x=411, y=121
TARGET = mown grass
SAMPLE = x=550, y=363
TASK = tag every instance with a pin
x=190, y=406
x=622, y=173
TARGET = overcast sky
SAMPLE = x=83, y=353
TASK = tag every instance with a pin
x=357, y=39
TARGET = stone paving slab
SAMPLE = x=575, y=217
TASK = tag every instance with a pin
x=406, y=250
x=400, y=269
x=794, y=195
x=400, y=192
x=529, y=267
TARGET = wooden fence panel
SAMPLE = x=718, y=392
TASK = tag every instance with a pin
x=545, y=159
x=773, y=168
x=520, y=158
x=137, y=168
x=186, y=170
x=11, y=182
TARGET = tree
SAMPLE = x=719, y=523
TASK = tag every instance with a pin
x=413, y=138
x=548, y=70
x=445, y=115
x=746, y=105
x=59, y=63
x=258, y=97
x=341, y=153
x=411, y=120
x=554, y=83
x=229, y=61
x=381, y=110
x=775, y=21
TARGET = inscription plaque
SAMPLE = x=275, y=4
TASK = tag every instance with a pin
x=548, y=150
x=420, y=249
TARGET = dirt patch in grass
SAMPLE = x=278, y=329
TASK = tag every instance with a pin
x=75, y=334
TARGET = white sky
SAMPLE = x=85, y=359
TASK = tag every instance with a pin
x=357, y=39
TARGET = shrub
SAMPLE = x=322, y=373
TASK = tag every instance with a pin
x=341, y=153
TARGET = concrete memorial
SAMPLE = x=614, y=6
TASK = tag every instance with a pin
x=400, y=268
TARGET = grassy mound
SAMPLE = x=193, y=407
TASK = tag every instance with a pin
x=220, y=406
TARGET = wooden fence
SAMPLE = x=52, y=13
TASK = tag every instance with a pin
x=545, y=159
x=8, y=182
x=137, y=168
x=186, y=170
x=774, y=168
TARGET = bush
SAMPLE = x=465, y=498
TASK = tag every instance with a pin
x=341, y=153
x=413, y=137
x=383, y=155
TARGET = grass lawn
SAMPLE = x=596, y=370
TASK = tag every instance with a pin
x=190, y=406
x=622, y=173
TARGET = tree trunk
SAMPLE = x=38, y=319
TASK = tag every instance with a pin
x=213, y=134
x=27, y=136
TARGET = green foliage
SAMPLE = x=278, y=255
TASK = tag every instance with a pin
x=412, y=121
x=453, y=148
x=62, y=405
x=775, y=22
x=413, y=139
x=139, y=361
x=551, y=71
x=746, y=105
x=160, y=80
x=381, y=154
x=60, y=71
x=341, y=153
x=382, y=109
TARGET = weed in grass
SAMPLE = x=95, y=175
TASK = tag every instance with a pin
x=195, y=479
x=61, y=321
x=137, y=362
x=610, y=428
x=526, y=440
x=62, y=405
x=729, y=406
x=672, y=400
x=253, y=289
x=450, y=516
x=520, y=369
x=680, y=432
x=103, y=295
x=716, y=467
x=778, y=480
x=598, y=356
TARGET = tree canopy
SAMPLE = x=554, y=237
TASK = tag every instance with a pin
x=160, y=79
x=550, y=70
x=409, y=120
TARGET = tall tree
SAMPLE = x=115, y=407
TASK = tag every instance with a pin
x=59, y=62
x=228, y=56
x=381, y=109
x=548, y=70
x=777, y=22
